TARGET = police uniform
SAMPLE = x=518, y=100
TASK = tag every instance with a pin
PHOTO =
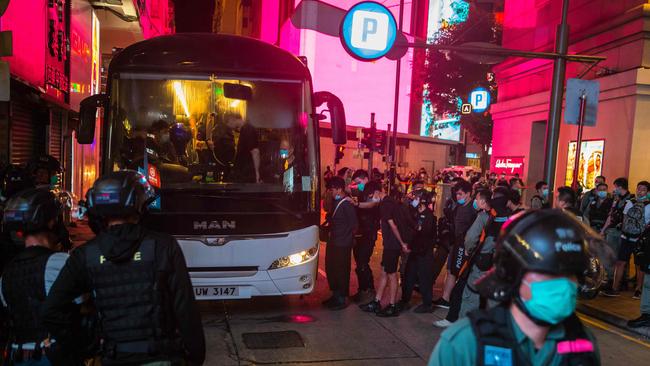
x=138, y=280
x=458, y=345
x=28, y=278
x=549, y=242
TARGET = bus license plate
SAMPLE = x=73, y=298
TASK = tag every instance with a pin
x=216, y=292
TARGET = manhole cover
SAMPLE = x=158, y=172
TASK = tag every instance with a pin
x=273, y=340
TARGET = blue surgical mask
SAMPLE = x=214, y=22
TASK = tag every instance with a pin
x=475, y=205
x=284, y=153
x=361, y=186
x=337, y=197
x=553, y=300
x=461, y=201
x=602, y=194
x=545, y=192
x=415, y=203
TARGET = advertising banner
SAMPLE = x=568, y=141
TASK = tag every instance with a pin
x=590, y=165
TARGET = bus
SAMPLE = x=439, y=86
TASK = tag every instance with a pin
x=225, y=130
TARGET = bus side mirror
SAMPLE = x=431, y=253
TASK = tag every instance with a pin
x=88, y=116
x=337, y=115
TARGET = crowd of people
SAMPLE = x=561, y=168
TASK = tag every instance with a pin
x=417, y=244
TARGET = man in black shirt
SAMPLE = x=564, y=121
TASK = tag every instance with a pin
x=420, y=263
x=464, y=216
x=368, y=214
x=236, y=143
x=343, y=223
x=597, y=208
x=393, y=229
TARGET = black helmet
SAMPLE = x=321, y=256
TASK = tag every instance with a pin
x=15, y=179
x=120, y=194
x=547, y=241
x=31, y=210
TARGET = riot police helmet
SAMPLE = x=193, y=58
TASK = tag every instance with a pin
x=15, y=178
x=120, y=194
x=32, y=211
x=547, y=241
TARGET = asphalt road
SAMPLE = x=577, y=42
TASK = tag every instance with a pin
x=303, y=332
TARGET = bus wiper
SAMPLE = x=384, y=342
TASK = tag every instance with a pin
x=280, y=207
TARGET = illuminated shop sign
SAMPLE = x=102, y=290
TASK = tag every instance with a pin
x=508, y=165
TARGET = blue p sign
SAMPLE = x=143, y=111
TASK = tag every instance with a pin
x=368, y=31
x=479, y=99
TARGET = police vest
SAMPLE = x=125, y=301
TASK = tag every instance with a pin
x=23, y=287
x=132, y=300
x=497, y=344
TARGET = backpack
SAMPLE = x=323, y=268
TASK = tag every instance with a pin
x=634, y=219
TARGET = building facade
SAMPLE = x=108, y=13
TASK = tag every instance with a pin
x=617, y=145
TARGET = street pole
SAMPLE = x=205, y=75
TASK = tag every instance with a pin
x=393, y=141
x=373, y=129
x=581, y=125
x=557, y=91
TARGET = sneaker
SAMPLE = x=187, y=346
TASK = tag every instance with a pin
x=389, y=311
x=444, y=323
x=642, y=321
x=363, y=296
x=441, y=303
x=637, y=295
x=338, y=304
x=371, y=307
x=422, y=309
x=610, y=293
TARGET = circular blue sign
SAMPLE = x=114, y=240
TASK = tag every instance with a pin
x=368, y=31
x=479, y=98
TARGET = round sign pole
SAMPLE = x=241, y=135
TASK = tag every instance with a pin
x=393, y=141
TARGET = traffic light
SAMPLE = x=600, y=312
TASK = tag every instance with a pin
x=339, y=153
x=380, y=142
x=369, y=137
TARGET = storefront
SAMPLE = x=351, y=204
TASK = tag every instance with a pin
x=617, y=145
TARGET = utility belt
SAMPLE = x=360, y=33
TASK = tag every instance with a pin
x=148, y=347
x=28, y=351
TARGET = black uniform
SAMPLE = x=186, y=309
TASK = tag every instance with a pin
x=142, y=292
x=420, y=263
x=365, y=242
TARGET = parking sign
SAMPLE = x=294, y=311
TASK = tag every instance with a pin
x=368, y=31
x=479, y=99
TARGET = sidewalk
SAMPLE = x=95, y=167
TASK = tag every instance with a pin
x=614, y=310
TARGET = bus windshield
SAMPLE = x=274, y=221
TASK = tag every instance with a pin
x=211, y=133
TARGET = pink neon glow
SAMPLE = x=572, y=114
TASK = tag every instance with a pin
x=364, y=87
x=155, y=18
x=29, y=39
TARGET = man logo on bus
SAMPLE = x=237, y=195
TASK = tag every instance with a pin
x=211, y=225
x=369, y=30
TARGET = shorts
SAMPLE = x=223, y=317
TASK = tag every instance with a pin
x=390, y=259
x=625, y=250
x=456, y=259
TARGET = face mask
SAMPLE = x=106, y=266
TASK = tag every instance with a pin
x=361, y=186
x=545, y=192
x=642, y=198
x=461, y=201
x=337, y=197
x=553, y=300
x=475, y=205
x=284, y=153
x=415, y=203
x=375, y=199
x=602, y=194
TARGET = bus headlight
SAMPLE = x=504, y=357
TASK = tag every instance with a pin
x=294, y=259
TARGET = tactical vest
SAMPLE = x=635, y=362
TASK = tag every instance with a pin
x=23, y=287
x=131, y=298
x=496, y=340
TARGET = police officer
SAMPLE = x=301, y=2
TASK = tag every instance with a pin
x=138, y=279
x=541, y=258
x=28, y=278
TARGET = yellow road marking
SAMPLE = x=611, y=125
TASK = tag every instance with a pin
x=606, y=328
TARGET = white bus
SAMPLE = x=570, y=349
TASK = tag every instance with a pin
x=225, y=129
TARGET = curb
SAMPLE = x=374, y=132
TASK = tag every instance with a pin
x=611, y=319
